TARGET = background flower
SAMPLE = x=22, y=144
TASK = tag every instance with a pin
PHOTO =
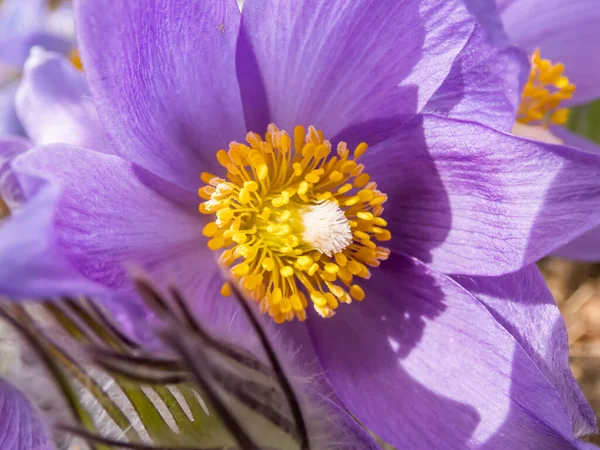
x=23, y=25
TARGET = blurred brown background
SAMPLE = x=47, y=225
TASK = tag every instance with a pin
x=576, y=289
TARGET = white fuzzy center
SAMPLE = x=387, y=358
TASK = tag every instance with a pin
x=326, y=228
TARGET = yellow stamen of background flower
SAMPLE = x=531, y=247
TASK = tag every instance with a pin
x=75, y=59
x=294, y=222
x=545, y=90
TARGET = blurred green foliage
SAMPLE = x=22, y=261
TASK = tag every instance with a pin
x=585, y=121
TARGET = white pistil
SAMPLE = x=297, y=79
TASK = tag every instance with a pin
x=326, y=228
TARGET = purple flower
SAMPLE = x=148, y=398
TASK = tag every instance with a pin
x=23, y=25
x=424, y=361
x=564, y=33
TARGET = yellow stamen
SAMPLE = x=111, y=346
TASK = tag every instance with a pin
x=545, y=90
x=293, y=221
x=75, y=59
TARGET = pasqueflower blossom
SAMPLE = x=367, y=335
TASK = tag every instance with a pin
x=343, y=177
x=23, y=25
x=561, y=36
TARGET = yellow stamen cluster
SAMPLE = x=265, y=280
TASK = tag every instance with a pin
x=294, y=222
x=546, y=88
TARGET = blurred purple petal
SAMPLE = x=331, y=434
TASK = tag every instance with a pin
x=522, y=303
x=9, y=122
x=565, y=32
x=15, y=50
x=54, y=104
x=33, y=266
x=163, y=77
x=9, y=148
x=339, y=63
x=468, y=199
x=423, y=363
x=20, y=427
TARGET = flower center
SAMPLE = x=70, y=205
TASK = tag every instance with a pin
x=293, y=222
x=546, y=88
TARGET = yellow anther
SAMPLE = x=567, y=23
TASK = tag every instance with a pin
x=244, y=196
x=341, y=259
x=240, y=238
x=206, y=177
x=345, y=188
x=352, y=201
x=348, y=166
x=210, y=229
x=332, y=302
x=357, y=292
x=297, y=169
x=546, y=88
x=268, y=264
x=216, y=243
x=251, y=186
x=313, y=269
x=277, y=296
x=296, y=302
x=225, y=215
x=360, y=150
x=286, y=271
x=332, y=268
x=241, y=269
x=266, y=213
x=304, y=262
x=299, y=134
x=336, y=176
x=318, y=298
x=226, y=290
x=262, y=171
x=361, y=180
x=223, y=158
x=314, y=236
x=285, y=306
x=285, y=215
x=312, y=177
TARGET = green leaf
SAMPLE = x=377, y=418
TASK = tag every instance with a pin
x=585, y=121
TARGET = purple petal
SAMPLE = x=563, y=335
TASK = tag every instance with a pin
x=9, y=122
x=10, y=147
x=32, y=265
x=15, y=50
x=522, y=303
x=565, y=32
x=163, y=77
x=113, y=215
x=337, y=63
x=583, y=248
x=54, y=103
x=468, y=199
x=423, y=363
x=20, y=427
x=574, y=140
x=484, y=85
